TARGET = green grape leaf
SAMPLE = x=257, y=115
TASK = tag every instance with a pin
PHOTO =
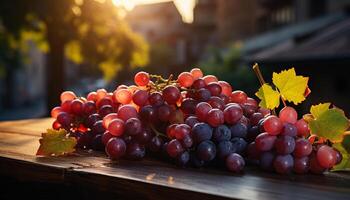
x=291, y=87
x=270, y=98
x=344, y=148
x=330, y=124
x=317, y=110
x=56, y=143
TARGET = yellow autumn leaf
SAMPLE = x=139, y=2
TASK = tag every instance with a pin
x=270, y=98
x=290, y=86
x=317, y=110
x=56, y=143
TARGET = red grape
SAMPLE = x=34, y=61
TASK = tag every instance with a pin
x=185, y=79
x=123, y=96
x=92, y=96
x=233, y=113
x=288, y=115
x=238, y=96
x=76, y=107
x=210, y=79
x=303, y=128
x=302, y=148
x=55, y=111
x=141, y=78
x=67, y=96
x=116, y=127
x=326, y=156
x=214, y=89
x=196, y=73
x=126, y=112
x=108, y=118
x=215, y=117
x=273, y=125
x=226, y=88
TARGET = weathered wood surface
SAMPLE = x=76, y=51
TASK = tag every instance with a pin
x=152, y=179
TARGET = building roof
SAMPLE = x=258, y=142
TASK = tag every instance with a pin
x=150, y=10
x=332, y=42
x=276, y=37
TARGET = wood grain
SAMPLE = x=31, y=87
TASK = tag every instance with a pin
x=150, y=178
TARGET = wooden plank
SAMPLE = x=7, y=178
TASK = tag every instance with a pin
x=152, y=178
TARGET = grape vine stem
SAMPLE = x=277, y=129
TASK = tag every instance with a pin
x=258, y=73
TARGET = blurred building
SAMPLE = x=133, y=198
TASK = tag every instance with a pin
x=160, y=23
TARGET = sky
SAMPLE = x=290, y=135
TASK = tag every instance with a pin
x=185, y=7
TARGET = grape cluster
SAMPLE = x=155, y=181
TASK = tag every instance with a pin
x=281, y=146
x=194, y=120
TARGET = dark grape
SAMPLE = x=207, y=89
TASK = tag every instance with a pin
x=201, y=132
x=216, y=102
x=98, y=128
x=266, y=160
x=255, y=118
x=64, y=119
x=171, y=94
x=289, y=129
x=133, y=126
x=206, y=150
x=135, y=151
x=283, y=164
x=164, y=112
x=239, y=130
x=145, y=136
x=148, y=114
x=235, y=162
x=156, y=99
x=89, y=108
x=301, y=165
x=214, y=89
x=97, y=143
x=92, y=119
x=198, y=84
x=188, y=106
x=174, y=148
x=106, y=136
x=202, y=95
x=239, y=144
x=221, y=133
x=191, y=121
x=181, y=131
x=183, y=159
x=224, y=148
x=105, y=110
x=284, y=145
x=140, y=97
x=115, y=148
x=265, y=141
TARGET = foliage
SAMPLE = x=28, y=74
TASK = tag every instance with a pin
x=226, y=64
x=289, y=86
x=92, y=31
x=56, y=143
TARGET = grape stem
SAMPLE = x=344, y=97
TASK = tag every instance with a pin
x=258, y=73
x=157, y=132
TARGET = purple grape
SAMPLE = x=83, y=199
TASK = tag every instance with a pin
x=224, y=148
x=201, y=132
x=221, y=133
x=206, y=151
x=135, y=151
x=289, y=129
x=284, y=145
x=239, y=144
x=239, y=130
x=266, y=160
x=283, y=164
x=235, y=162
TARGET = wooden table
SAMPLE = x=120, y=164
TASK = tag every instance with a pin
x=152, y=179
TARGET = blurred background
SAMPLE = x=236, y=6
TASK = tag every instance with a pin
x=82, y=45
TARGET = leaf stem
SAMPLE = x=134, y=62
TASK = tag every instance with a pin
x=258, y=73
